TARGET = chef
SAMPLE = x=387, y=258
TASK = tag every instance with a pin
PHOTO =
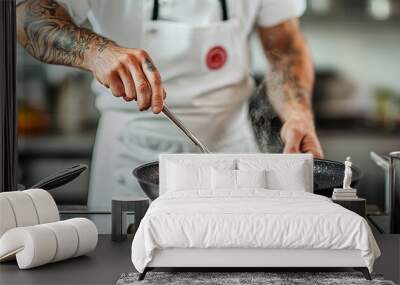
x=193, y=55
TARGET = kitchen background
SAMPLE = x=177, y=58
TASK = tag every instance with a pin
x=356, y=49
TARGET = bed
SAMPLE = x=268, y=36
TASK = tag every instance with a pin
x=247, y=210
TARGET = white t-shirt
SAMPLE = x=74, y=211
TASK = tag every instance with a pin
x=120, y=20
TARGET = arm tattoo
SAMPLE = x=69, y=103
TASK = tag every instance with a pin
x=149, y=65
x=52, y=37
x=288, y=81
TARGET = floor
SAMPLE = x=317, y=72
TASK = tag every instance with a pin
x=103, y=266
x=110, y=260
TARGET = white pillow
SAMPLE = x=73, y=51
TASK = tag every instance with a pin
x=282, y=174
x=226, y=179
x=181, y=177
x=187, y=174
x=293, y=180
x=223, y=179
x=251, y=178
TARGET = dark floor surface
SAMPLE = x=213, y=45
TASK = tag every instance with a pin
x=110, y=260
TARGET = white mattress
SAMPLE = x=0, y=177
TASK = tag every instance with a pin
x=253, y=219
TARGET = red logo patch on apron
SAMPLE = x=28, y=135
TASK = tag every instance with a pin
x=216, y=57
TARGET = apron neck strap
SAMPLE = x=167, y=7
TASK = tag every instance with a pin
x=224, y=10
x=222, y=2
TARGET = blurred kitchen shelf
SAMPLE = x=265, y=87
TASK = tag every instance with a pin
x=358, y=17
x=41, y=155
x=354, y=129
x=371, y=11
x=57, y=145
x=80, y=210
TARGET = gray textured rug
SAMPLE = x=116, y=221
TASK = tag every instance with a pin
x=243, y=278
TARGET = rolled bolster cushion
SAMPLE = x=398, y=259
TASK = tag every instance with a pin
x=87, y=235
x=67, y=240
x=23, y=208
x=26, y=208
x=7, y=218
x=40, y=244
x=33, y=246
x=45, y=205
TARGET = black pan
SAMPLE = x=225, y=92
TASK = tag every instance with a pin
x=328, y=174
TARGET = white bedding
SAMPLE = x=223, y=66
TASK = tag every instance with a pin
x=252, y=218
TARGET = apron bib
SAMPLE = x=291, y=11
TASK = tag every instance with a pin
x=205, y=72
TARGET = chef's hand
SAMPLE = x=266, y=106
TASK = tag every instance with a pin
x=299, y=135
x=130, y=74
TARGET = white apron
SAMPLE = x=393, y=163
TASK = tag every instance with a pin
x=205, y=70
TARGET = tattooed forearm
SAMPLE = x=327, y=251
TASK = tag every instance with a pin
x=286, y=75
x=48, y=33
x=290, y=79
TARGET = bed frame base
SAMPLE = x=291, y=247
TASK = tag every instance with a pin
x=241, y=259
x=143, y=274
x=363, y=270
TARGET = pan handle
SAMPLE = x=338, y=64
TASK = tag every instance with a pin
x=60, y=178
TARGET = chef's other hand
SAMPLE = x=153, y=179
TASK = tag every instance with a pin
x=130, y=74
x=299, y=135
